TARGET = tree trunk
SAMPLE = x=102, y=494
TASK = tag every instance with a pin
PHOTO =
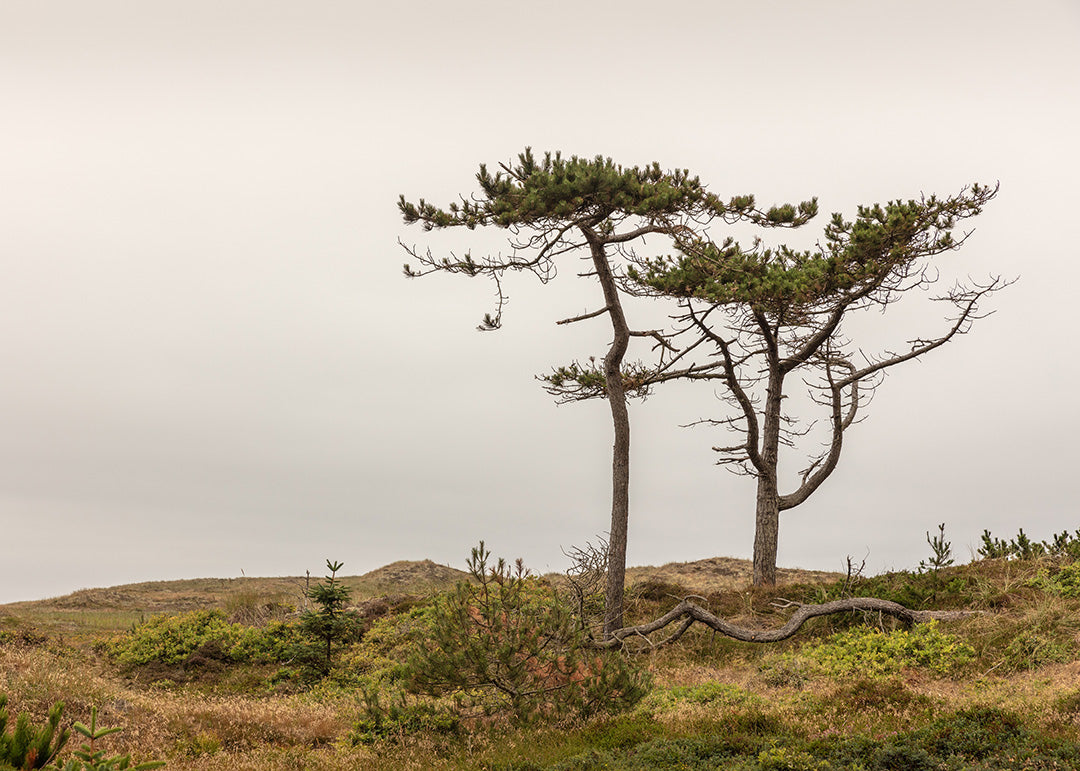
x=767, y=521
x=766, y=531
x=620, y=509
x=620, y=452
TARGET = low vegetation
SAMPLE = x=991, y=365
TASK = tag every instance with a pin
x=501, y=673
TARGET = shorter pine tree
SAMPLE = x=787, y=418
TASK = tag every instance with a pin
x=504, y=642
x=327, y=626
x=27, y=746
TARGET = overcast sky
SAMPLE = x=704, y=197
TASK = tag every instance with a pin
x=212, y=363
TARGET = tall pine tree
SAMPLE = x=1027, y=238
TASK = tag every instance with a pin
x=556, y=206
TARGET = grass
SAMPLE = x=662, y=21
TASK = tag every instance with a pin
x=1011, y=700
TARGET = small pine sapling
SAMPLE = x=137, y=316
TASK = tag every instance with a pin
x=942, y=556
x=1064, y=545
x=27, y=746
x=88, y=758
x=329, y=625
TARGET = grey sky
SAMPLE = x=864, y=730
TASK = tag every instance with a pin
x=212, y=362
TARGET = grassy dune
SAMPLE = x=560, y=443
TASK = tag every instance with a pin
x=995, y=691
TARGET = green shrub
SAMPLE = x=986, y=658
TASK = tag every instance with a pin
x=268, y=644
x=873, y=653
x=624, y=731
x=903, y=754
x=399, y=719
x=1061, y=580
x=786, y=759
x=173, y=639
x=977, y=732
x=201, y=635
x=1031, y=649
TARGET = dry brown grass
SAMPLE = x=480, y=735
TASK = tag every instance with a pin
x=181, y=725
x=719, y=574
x=196, y=730
x=89, y=612
x=247, y=600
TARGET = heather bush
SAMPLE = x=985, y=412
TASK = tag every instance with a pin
x=872, y=653
x=177, y=639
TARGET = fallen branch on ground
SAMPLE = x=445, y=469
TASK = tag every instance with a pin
x=691, y=612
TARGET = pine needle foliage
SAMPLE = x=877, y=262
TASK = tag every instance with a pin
x=868, y=258
x=329, y=625
x=1063, y=545
x=942, y=552
x=559, y=190
x=505, y=643
x=27, y=746
x=771, y=314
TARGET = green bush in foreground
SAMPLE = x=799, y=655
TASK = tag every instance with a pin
x=397, y=719
x=873, y=653
x=28, y=746
x=980, y=738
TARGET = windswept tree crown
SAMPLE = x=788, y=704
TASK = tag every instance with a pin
x=871, y=258
x=560, y=205
x=587, y=191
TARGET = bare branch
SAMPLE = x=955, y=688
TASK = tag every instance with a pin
x=968, y=303
x=584, y=316
x=736, y=390
x=661, y=341
x=819, y=471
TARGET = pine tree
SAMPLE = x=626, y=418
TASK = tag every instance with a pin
x=329, y=625
x=773, y=313
x=557, y=206
x=28, y=746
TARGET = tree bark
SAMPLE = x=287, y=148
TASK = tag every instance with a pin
x=767, y=518
x=766, y=530
x=620, y=452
